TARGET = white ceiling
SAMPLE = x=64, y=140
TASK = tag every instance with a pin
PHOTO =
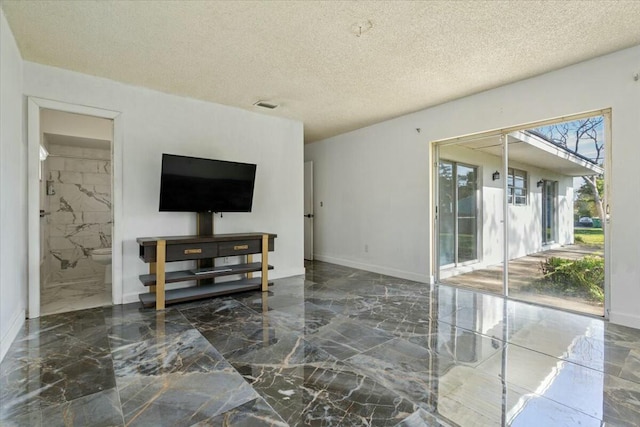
x=335, y=65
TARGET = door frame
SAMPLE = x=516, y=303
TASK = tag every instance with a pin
x=34, y=136
x=308, y=210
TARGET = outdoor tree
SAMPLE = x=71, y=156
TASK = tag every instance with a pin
x=585, y=198
x=585, y=138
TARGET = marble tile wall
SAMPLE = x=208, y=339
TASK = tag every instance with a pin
x=45, y=265
x=80, y=218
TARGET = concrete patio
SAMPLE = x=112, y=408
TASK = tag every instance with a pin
x=524, y=270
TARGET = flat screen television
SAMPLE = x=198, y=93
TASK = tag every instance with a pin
x=192, y=184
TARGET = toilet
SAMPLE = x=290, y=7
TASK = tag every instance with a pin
x=103, y=256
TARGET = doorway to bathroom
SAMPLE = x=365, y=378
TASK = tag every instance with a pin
x=71, y=181
x=76, y=216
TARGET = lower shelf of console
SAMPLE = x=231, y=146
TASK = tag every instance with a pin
x=182, y=275
x=204, y=291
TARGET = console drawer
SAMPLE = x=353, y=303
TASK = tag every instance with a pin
x=239, y=247
x=191, y=251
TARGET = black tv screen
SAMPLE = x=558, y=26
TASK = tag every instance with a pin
x=191, y=184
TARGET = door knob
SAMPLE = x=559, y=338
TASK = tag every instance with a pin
x=309, y=215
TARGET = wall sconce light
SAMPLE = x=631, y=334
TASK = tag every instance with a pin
x=540, y=183
x=496, y=176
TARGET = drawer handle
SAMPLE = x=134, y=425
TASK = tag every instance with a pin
x=192, y=251
x=240, y=247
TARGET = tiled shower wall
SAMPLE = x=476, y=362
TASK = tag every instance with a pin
x=80, y=218
x=44, y=225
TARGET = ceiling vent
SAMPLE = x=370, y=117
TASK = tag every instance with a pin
x=265, y=104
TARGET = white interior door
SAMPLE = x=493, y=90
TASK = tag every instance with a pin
x=308, y=211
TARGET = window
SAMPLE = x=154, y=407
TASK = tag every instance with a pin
x=517, y=182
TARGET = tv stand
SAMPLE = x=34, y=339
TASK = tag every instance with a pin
x=157, y=251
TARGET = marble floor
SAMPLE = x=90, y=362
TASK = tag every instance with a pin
x=338, y=347
x=72, y=296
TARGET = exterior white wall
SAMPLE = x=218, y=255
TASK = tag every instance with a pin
x=156, y=123
x=525, y=221
x=375, y=185
x=13, y=198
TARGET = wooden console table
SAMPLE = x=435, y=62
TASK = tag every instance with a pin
x=157, y=251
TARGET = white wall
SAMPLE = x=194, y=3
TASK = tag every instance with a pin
x=154, y=123
x=375, y=185
x=372, y=184
x=13, y=184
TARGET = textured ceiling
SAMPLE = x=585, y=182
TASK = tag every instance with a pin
x=336, y=66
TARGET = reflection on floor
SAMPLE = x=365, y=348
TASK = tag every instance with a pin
x=523, y=271
x=342, y=347
x=72, y=296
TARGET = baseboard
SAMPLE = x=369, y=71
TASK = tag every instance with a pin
x=416, y=277
x=280, y=274
x=131, y=297
x=625, y=319
x=16, y=324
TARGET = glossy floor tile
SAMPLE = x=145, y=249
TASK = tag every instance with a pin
x=73, y=296
x=338, y=347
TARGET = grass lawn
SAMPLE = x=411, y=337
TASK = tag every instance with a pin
x=589, y=236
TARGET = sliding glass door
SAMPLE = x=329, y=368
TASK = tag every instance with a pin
x=540, y=203
x=458, y=213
